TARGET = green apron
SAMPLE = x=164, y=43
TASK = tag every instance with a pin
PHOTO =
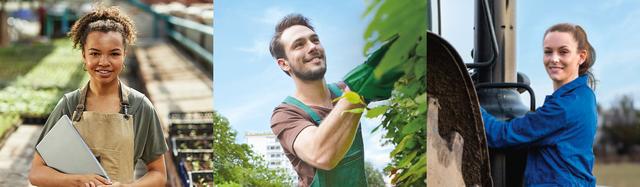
x=350, y=170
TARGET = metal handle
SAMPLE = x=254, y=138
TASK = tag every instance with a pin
x=488, y=85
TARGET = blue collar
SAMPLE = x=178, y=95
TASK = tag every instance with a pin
x=581, y=80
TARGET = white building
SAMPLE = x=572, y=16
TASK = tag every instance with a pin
x=266, y=144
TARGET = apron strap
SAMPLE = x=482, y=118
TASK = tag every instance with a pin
x=333, y=87
x=124, y=100
x=82, y=99
x=297, y=103
x=77, y=114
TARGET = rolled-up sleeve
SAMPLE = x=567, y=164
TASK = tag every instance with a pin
x=286, y=124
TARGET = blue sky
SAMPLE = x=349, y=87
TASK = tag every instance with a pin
x=248, y=83
x=612, y=28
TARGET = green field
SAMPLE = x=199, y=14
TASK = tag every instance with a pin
x=617, y=175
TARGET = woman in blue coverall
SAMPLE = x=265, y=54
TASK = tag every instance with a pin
x=559, y=134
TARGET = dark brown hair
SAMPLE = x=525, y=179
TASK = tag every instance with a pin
x=580, y=36
x=276, y=48
x=103, y=19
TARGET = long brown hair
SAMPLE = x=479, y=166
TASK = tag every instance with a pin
x=583, y=44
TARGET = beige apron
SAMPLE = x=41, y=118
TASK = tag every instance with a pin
x=110, y=136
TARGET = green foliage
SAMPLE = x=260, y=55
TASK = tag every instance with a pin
x=7, y=121
x=229, y=184
x=404, y=18
x=353, y=98
x=404, y=118
x=27, y=101
x=57, y=69
x=374, y=112
x=236, y=165
x=374, y=177
x=621, y=125
x=19, y=59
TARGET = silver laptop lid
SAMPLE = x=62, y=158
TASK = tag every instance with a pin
x=63, y=149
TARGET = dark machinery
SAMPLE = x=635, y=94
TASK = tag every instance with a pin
x=458, y=113
x=498, y=86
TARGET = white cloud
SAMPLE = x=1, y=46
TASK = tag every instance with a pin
x=612, y=5
x=375, y=153
x=273, y=14
x=614, y=59
x=250, y=106
x=259, y=48
x=241, y=96
x=240, y=114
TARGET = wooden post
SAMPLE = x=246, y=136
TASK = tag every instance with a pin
x=4, y=26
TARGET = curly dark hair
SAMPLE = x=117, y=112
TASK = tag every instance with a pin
x=103, y=19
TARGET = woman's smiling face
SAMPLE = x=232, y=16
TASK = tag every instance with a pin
x=562, y=58
x=103, y=56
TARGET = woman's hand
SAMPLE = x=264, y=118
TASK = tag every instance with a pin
x=115, y=184
x=89, y=180
x=42, y=175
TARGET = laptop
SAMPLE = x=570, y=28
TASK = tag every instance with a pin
x=63, y=149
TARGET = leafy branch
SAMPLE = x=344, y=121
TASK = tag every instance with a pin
x=404, y=117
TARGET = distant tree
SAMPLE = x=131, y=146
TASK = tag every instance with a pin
x=374, y=176
x=236, y=164
x=621, y=125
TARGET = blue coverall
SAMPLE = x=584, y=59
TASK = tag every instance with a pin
x=559, y=136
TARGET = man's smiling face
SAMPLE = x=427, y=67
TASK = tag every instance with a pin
x=305, y=55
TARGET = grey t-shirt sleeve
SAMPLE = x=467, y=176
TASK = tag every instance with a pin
x=62, y=108
x=150, y=137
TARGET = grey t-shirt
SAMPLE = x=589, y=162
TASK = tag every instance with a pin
x=149, y=140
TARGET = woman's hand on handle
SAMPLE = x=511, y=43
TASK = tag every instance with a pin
x=43, y=175
x=89, y=180
x=115, y=184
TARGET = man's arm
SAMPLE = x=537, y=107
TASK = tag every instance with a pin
x=324, y=146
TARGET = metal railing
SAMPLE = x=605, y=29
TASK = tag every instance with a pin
x=171, y=23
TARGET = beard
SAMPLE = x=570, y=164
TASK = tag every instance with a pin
x=309, y=75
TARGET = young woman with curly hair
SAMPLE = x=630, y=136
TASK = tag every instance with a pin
x=118, y=123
